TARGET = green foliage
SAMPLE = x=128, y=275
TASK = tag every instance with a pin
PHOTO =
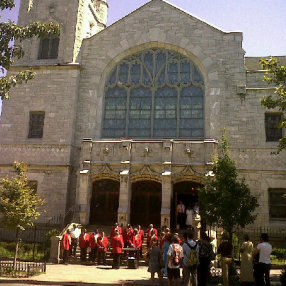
x=7, y=250
x=19, y=204
x=225, y=199
x=276, y=75
x=10, y=32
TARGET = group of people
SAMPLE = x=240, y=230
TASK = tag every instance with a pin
x=95, y=243
x=255, y=261
x=167, y=253
x=189, y=217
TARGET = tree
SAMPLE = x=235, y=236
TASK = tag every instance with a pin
x=9, y=33
x=225, y=199
x=19, y=204
x=276, y=74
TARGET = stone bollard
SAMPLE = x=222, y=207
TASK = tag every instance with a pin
x=55, y=249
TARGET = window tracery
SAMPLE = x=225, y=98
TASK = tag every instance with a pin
x=154, y=94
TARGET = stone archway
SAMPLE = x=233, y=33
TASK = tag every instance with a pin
x=146, y=201
x=104, y=202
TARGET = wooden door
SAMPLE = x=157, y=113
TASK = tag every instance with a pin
x=104, y=202
x=146, y=203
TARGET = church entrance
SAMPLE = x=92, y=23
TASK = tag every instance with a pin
x=187, y=193
x=146, y=203
x=104, y=202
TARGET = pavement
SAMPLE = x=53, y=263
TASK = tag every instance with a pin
x=88, y=275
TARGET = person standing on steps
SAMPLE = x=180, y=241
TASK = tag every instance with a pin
x=65, y=245
x=117, y=244
x=75, y=233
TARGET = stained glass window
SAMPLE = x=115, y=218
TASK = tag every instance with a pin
x=154, y=94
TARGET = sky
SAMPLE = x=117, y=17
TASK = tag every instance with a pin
x=262, y=22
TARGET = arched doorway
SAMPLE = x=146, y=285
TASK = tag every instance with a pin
x=104, y=202
x=146, y=203
x=187, y=192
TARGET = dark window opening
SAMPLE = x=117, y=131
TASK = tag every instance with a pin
x=49, y=47
x=277, y=204
x=36, y=124
x=273, y=132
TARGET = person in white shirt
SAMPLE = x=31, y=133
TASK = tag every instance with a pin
x=264, y=250
x=75, y=233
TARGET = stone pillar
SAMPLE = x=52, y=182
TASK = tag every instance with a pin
x=124, y=198
x=83, y=198
x=83, y=191
x=166, y=198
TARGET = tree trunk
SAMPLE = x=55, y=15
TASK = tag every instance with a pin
x=16, y=248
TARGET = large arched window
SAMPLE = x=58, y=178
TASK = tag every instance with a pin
x=154, y=94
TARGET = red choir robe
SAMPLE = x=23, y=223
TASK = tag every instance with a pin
x=137, y=241
x=66, y=242
x=113, y=233
x=93, y=241
x=130, y=236
x=151, y=237
x=149, y=234
x=102, y=244
x=117, y=244
x=141, y=232
x=84, y=240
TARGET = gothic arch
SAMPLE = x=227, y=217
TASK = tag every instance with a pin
x=146, y=173
x=105, y=173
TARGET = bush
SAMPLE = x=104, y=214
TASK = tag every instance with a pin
x=25, y=252
x=279, y=253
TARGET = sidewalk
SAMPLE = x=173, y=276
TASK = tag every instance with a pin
x=85, y=275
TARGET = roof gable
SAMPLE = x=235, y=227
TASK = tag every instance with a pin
x=163, y=4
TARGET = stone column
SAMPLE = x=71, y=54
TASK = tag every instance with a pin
x=166, y=183
x=166, y=198
x=83, y=197
x=83, y=191
x=124, y=198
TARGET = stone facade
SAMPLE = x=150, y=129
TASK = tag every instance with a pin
x=70, y=89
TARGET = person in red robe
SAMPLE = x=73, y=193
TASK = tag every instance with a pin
x=102, y=244
x=163, y=237
x=142, y=233
x=149, y=230
x=137, y=239
x=117, y=244
x=153, y=236
x=137, y=242
x=114, y=228
x=129, y=236
x=65, y=245
x=93, y=245
x=83, y=244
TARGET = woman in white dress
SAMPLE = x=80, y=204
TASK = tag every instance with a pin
x=190, y=217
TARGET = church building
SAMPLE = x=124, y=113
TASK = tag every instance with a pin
x=122, y=122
